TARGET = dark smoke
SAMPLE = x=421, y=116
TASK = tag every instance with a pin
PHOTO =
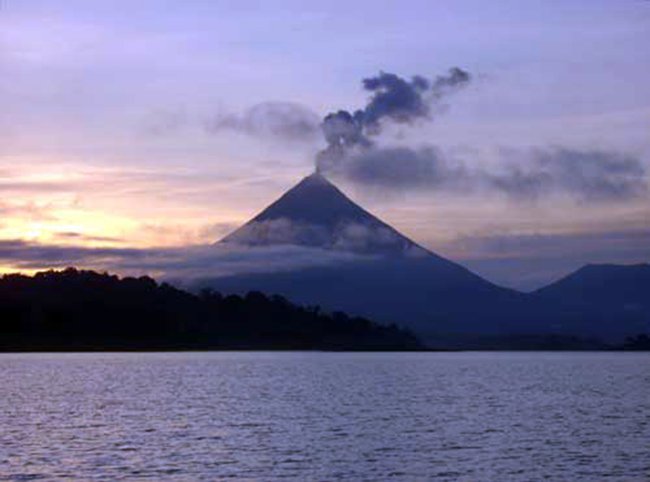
x=351, y=153
x=402, y=168
x=394, y=100
x=587, y=175
x=446, y=84
x=584, y=175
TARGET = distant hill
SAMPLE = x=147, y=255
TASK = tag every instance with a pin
x=610, y=299
x=84, y=310
x=621, y=286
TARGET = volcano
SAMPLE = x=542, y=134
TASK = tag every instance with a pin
x=315, y=213
x=388, y=278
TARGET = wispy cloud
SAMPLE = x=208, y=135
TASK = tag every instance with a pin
x=287, y=121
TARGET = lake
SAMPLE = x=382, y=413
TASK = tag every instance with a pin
x=325, y=416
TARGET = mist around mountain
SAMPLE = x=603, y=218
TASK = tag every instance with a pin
x=84, y=310
x=315, y=213
x=392, y=279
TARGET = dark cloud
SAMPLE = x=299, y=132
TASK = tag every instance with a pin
x=28, y=255
x=403, y=168
x=393, y=100
x=445, y=84
x=588, y=175
x=285, y=120
x=584, y=175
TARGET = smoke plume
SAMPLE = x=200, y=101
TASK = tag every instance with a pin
x=392, y=100
x=283, y=120
x=585, y=175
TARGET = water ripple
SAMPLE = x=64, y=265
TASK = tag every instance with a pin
x=325, y=416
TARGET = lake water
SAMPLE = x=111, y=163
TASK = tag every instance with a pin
x=325, y=416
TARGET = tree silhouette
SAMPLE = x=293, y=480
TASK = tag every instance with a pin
x=86, y=310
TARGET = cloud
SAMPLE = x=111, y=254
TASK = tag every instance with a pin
x=393, y=100
x=403, y=168
x=348, y=236
x=351, y=152
x=179, y=263
x=283, y=120
x=589, y=175
x=522, y=261
x=75, y=236
x=637, y=241
x=35, y=186
x=530, y=261
x=584, y=175
x=218, y=230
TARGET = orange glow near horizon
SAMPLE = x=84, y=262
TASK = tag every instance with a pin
x=105, y=208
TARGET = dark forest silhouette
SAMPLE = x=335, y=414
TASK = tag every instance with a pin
x=85, y=310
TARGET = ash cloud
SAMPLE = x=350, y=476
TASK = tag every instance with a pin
x=588, y=175
x=284, y=120
x=403, y=168
x=393, y=99
x=522, y=175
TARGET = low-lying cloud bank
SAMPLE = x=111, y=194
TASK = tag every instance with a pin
x=179, y=263
x=523, y=262
x=347, y=237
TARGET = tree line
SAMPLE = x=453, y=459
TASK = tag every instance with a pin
x=85, y=310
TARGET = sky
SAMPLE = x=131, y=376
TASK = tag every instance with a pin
x=134, y=125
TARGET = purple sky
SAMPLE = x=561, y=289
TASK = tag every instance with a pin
x=108, y=110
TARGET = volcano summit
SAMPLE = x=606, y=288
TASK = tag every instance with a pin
x=317, y=214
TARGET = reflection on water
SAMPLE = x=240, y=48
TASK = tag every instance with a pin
x=325, y=416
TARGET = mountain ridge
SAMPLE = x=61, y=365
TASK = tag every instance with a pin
x=602, y=284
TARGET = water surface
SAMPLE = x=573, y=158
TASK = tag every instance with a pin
x=325, y=416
